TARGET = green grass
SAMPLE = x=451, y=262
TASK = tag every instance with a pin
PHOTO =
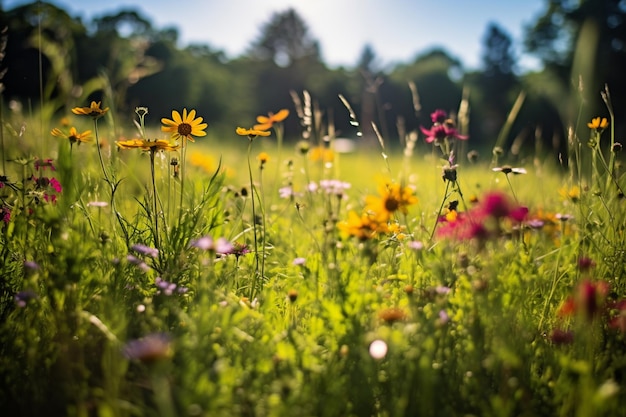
x=469, y=324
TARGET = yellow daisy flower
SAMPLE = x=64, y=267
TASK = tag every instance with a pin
x=251, y=133
x=362, y=226
x=202, y=161
x=185, y=127
x=263, y=157
x=147, y=145
x=266, y=122
x=598, y=123
x=74, y=136
x=570, y=193
x=393, y=197
x=93, y=110
x=320, y=153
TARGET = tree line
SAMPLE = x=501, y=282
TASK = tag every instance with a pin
x=53, y=61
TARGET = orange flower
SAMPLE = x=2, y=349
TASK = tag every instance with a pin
x=598, y=123
x=251, y=133
x=266, y=122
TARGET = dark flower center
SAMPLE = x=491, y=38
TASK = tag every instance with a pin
x=440, y=132
x=391, y=204
x=184, y=129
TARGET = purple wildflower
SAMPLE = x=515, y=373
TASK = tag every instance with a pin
x=145, y=250
x=287, y=192
x=149, y=349
x=23, y=297
x=31, y=265
x=168, y=288
x=138, y=262
x=239, y=249
x=334, y=187
x=220, y=246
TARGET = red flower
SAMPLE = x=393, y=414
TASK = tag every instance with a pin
x=588, y=300
x=619, y=321
x=561, y=337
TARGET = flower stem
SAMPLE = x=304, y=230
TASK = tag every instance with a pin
x=154, y=198
x=443, y=202
x=256, y=244
x=104, y=171
x=183, y=153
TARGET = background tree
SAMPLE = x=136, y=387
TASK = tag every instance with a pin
x=285, y=39
x=371, y=78
x=436, y=75
x=54, y=44
x=285, y=57
x=494, y=89
x=584, y=41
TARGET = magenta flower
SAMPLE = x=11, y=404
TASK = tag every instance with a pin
x=5, y=214
x=438, y=116
x=441, y=132
x=239, y=249
x=585, y=264
x=46, y=163
x=497, y=205
x=56, y=185
x=478, y=223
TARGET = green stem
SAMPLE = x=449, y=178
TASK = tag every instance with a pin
x=262, y=203
x=154, y=198
x=104, y=171
x=443, y=202
x=511, y=187
x=256, y=244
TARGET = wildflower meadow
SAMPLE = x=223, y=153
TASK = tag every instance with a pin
x=162, y=274
x=152, y=265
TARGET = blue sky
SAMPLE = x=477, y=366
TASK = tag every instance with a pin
x=398, y=30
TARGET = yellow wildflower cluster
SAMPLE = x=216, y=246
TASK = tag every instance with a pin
x=379, y=211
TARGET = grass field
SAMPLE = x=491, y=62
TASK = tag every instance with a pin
x=168, y=273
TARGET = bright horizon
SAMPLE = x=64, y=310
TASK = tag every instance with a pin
x=397, y=30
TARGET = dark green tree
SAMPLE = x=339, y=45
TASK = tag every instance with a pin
x=436, y=75
x=39, y=32
x=584, y=44
x=372, y=110
x=285, y=57
x=494, y=89
x=285, y=39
